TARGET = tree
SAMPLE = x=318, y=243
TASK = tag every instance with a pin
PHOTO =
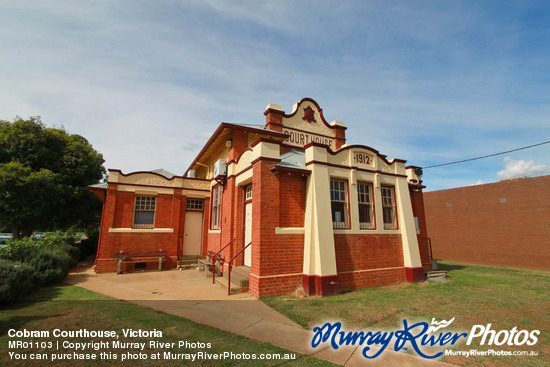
x=43, y=177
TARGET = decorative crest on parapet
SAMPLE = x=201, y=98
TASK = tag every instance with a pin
x=309, y=114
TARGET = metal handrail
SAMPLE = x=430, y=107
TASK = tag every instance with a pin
x=229, y=268
x=213, y=261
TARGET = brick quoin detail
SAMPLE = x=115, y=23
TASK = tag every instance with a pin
x=472, y=225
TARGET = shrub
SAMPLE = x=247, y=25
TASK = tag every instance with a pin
x=50, y=265
x=30, y=263
x=16, y=280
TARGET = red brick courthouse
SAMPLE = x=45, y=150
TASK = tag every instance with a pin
x=315, y=212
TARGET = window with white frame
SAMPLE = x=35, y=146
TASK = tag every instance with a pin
x=216, y=207
x=366, y=205
x=339, y=203
x=248, y=192
x=194, y=205
x=389, y=207
x=144, y=212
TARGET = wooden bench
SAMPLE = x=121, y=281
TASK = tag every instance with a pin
x=126, y=257
x=203, y=263
x=209, y=262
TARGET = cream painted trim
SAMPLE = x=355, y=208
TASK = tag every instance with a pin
x=411, y=252
x=141, y=230
x=214, y=231
x=243, y=178
x=155, y=191
x=367, y=231
x=289, y=230
x=337, y=123
x=275, y=276
x=266, y=149
x=146, y=192
x=113, y=176
x=195, y=194
x=272, y=106
x=369, y=270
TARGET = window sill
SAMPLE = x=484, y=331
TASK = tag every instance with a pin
x=289, y=230
x=366, y=232
x=141, y=230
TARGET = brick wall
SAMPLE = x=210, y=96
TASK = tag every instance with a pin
x=371, y=279
x=361, y=252
x=472, y=225
x=268, y=287
x=292, y=199
x=278, y=200
x=119, y=210
x=417, y=201
x=356, y=253
x=240, y=144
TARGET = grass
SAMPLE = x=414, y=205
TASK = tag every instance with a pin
x=474, y=295
x=74, y=308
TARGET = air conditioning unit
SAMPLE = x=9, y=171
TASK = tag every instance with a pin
x=220, y=169
x=191, y=173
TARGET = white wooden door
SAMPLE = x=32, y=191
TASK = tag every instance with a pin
x=248, y=233
x=192, y=239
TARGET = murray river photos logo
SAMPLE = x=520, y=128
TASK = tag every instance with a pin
x=417, y=336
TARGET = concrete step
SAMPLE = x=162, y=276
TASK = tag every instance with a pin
x=194, y=258
x=437, y=274
x=208, y=271
x=185, y=266
x=237, y=278
x=234, y=288
x=189, y=262
x=241, y=270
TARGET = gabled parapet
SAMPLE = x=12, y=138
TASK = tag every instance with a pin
x=305, y=124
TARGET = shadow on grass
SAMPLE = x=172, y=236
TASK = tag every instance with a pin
x=39, y=295
x=17, y=322
x=449, y=267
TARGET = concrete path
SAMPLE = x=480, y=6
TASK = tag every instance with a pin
x=189, y=294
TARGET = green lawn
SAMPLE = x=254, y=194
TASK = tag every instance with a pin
x=74, y=308
x=473, y=294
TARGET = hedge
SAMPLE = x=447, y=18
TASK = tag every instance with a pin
x=16, y=280
x=28, y=264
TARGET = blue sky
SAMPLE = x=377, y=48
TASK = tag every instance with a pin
x=147, y=82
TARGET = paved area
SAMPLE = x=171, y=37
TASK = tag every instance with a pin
x=189, y=294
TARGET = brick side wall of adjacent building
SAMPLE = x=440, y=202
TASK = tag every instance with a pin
x=501, y=224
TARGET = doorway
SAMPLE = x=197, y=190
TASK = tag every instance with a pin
x=192, y=240
x=248, y=225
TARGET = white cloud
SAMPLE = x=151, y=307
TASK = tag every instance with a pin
x=522, y=168
x=148, y=82
x=478, y=182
